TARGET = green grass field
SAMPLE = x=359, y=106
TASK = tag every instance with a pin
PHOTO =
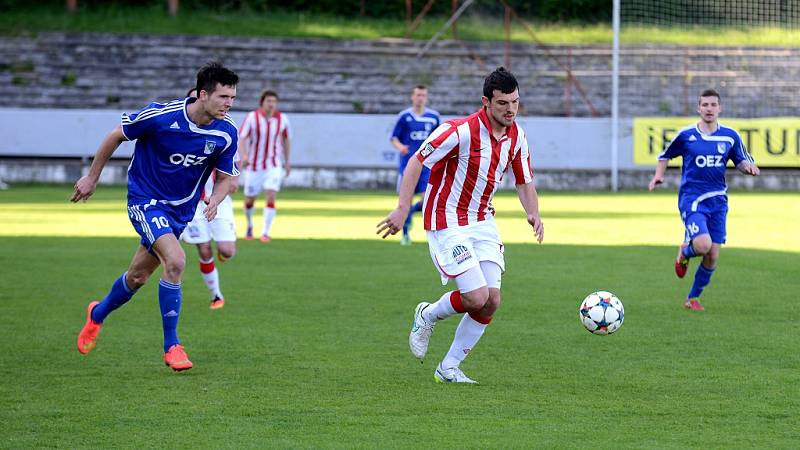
x=311, y=349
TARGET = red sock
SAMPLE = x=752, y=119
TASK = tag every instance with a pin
x=480, y=319
x=207, y=266
x=455, y=301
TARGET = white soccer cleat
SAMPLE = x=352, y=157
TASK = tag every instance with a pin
x=451, y=375
x=421, y=331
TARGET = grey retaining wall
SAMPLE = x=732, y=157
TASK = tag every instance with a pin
x=123, y=71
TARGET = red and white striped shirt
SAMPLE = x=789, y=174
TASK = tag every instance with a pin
x=467, y=165
x=266, y=138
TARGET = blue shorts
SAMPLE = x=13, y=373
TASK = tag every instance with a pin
x=712, y=223
x=422, y=183
x=153, y=220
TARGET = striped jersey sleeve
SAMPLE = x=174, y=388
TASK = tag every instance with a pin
x=226, y=162
x=739, y=152
x=439, y=145
x=286, y=126
x=675, y=148
x=247, y=124
x=521, y=163
x=143, y=122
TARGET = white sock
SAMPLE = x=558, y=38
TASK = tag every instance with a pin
x=248, y=212
x=269, y=216
x=440, y=310
x=468, y=334
x=212, y=280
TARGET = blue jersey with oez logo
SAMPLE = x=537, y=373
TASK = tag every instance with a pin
x=174, y=157
x=705, y=156
x=412, y=130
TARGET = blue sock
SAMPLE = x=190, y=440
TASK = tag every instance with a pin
x=169, y=298
x=416, y=208
x=119, y=294
x=701, y=279
x=688, y=251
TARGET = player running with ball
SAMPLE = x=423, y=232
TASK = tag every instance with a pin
x=468, y=158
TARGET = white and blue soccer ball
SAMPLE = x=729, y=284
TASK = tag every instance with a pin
x=602, y=313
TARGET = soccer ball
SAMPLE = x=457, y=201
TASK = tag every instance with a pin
x=601, y=313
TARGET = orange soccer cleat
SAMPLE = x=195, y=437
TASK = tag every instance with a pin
x=693, y=304
x=217, y=303
x=265, y=239
x=87, y=338
x=177, y=359
x=681, y=262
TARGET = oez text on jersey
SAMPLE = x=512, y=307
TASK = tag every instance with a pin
x=186, y=160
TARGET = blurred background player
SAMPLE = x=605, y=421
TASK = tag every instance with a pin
x=705, y=148
x=178, y=145
x=467, y=157
x=266, y=141
x=222, y=230
x=413, y=126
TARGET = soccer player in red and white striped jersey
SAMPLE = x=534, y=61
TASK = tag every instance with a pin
x=266, y=140
x=468, y=158
x=200, y=231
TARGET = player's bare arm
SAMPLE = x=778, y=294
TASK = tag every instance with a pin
x=529, y=199
x=394, y=221
x=658, y=177
x=403, y=149
x=748, y=168
x=86, y=185
x=287, y=166
x=224, y=185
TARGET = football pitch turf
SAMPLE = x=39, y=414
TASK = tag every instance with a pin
x=311, y=348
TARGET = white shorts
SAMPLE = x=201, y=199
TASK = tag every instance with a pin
x=263, y=180
x=221, y=229
x=456, y=250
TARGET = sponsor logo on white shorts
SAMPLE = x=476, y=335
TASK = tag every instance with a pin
x=461, y=254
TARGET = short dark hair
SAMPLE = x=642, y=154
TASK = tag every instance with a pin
x=267, y=93
x=502, y=80
x=189, y=92
x=419, y=86
x=215, y=73
x=710, y=93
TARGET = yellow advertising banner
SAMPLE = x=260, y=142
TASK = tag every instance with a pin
x=772, y=141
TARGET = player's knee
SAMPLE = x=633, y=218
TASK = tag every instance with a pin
x=136, y=278
x=225, y=253
x=174, y=267
x=702, y=245
x=475, y=300
x=204, y=251
x=493, y=303
x=249, y=202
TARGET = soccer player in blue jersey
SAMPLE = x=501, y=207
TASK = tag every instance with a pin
x=413, y=126
x=705, y=148
x=178, y=145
